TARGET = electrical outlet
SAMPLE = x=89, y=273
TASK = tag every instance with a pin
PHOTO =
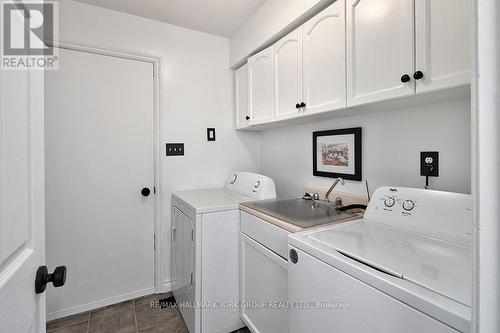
x=175, y=149
x=429, y=163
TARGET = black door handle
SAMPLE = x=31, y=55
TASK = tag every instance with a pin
x=247, y=117
x=302, y=105
x=297, y=106
x=405, y=78
x=146, y=192
x=58, y=278
x=418, y=75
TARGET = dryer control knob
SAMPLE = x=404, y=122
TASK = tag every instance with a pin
x=389, y=202
x=408, y=205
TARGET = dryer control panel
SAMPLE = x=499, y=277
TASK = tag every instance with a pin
x=443, y=215
x=251, y=184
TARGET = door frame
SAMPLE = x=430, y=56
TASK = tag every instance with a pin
x=155, y=61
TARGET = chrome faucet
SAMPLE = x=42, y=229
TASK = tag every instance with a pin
x=341, y=180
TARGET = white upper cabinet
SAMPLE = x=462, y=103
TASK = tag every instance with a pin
x=324, y=60
x=288, y=76
x=380, y=50
x=443, y=38
x=357, y=52
x=260, y=87
x=241, y=97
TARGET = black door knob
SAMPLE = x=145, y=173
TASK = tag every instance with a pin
x=302, y=105
x=58, y=278
x=247, y=117
x=297, y=106
x=145, y=191
x=405, y=78
x=418, y=75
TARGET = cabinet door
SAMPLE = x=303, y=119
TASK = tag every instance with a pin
x=324, y=60
x=241, y=97
x=288, y=75
x=380, y=47
x=263, y=282
x=443, y=41
x=261, y=92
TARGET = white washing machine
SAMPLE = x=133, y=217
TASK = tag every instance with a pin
x=205, y=251
x=405, y=267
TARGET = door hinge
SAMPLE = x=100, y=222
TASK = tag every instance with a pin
x=192, y=235
x=191, y=278
x=154, y=242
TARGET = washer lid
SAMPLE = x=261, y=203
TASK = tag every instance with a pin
x=440, y=266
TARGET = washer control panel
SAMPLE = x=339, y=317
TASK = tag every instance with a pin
x=437, y=213
x=396, y=202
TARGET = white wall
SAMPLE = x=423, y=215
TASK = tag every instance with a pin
x=268, y=22
x=391, y=146
x=196, y=92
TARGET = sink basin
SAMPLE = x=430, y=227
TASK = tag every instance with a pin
x=300, y=212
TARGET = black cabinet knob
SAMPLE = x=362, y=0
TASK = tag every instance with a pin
x=145, y=191
x=302, y=105
x=405, y=78
x=418, y=75
x=247, y=117
x=58, y=278
x=297, y=106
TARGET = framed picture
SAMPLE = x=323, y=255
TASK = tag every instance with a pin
x=337, y=153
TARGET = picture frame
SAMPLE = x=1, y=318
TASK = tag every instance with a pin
x=337, y=153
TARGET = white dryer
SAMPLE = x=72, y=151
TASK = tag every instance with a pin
x=205, y=251
x=405, y=267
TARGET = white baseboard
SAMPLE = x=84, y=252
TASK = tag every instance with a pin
x=100, y=303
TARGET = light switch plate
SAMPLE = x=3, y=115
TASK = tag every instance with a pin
x=210, y=134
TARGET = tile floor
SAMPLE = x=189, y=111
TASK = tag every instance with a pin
x=133, y=316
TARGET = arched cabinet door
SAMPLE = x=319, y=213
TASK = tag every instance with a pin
x=324, y=60
x=288, y=76
x=241, y=97
x=443, y=41
x=260, y=83
x=380, y=50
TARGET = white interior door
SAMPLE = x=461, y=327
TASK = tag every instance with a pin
x=380, y=48
x=288, y=75
x=443, y=41
x=21, y=200
x=99, y=156
x=324, y=60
